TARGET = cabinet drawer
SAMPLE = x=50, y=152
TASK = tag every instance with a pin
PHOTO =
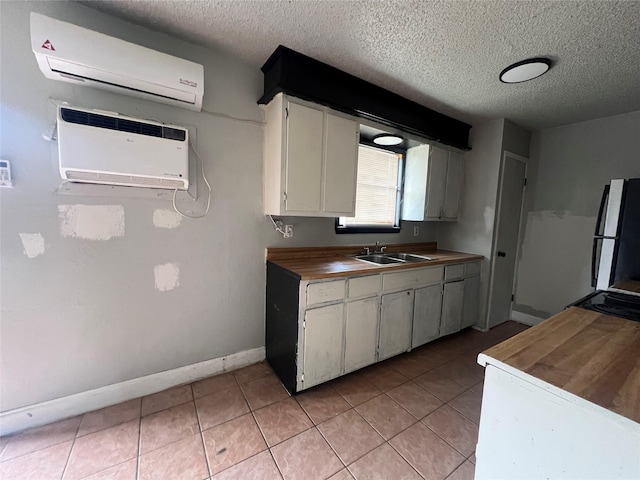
x=411, y=278
x=453, y=272
x=362, y=286
x=325, y=292
x=472, y=268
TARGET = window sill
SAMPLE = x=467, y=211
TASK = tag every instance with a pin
x=366, y=229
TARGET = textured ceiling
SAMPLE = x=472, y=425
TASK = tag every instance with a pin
x=443, y=54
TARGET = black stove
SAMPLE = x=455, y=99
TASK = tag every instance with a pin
x=612, y=303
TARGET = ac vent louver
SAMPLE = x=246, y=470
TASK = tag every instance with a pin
x=121, y=124
x=113, y=149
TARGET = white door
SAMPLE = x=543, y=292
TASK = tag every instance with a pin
x=510, y=197
x=361, y=334
x=304, y=158
x=323, y=344
x=395, y=324
x=451, y=205
x=340, y=165
x=426, y=315
x=436, y=182
x=470, y=307
x=452, y=301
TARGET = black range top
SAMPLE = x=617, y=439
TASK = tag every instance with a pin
x=612, y=303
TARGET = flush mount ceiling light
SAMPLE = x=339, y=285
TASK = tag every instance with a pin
x=525, y=70
x=387, y=139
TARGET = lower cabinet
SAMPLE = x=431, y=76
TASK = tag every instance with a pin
x=470, y=306
x=452, y=301
x=320, y=329
x=396, y=319
x=323, y=335
x=426, y=315
x=361, y=333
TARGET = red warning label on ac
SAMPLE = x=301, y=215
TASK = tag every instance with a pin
x=48, y=45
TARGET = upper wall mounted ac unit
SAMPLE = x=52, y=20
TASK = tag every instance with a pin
x=74, y=54
x=108, y=148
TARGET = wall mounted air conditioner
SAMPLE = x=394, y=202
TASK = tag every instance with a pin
x=74, y=54
x=113, y=149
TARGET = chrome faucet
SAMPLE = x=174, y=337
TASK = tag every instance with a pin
x=378, y=248
x=366, y=251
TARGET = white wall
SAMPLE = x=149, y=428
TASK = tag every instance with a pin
x=88, y=313
x=569, y=168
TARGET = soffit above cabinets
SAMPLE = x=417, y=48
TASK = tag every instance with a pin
x=309, y=79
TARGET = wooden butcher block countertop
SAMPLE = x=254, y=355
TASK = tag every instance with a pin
x=312, y=263
x=591, y=355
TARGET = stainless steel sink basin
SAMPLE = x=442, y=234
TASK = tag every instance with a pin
x=408, y=257
x=378, y=259
x=392, y=258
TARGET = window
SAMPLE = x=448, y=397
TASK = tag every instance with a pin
x=377, y=193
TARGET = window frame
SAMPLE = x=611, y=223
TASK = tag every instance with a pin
x=348, y=229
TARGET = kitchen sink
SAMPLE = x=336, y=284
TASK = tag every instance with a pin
x=408, y=257
x=378, y=259
x=392, y=258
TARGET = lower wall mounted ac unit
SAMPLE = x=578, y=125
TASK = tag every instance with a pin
x=113, y=149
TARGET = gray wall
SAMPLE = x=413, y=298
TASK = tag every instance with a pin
x=474, y=231
x=569, y=167
x=86, y=313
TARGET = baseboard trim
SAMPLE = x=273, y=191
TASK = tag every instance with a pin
x=53, y=410
x=525, y=318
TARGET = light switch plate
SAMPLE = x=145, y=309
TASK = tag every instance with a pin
x=5, y=174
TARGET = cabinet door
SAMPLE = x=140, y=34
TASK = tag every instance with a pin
x=470, y=308
x=361, y=334
x=426, y=315
x=436, y=182
x=304, y=158
x=453, y=187
x=414, y=196
x=340, y=165
x=395, y=324
x=452, y=299
x=323, y=344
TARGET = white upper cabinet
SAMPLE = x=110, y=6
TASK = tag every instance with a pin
x=310, y=160
x=453, y=186
x=436, y=183
x=433, y=182
x=303, y=156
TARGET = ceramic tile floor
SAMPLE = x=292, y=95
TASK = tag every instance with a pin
x=412, y=416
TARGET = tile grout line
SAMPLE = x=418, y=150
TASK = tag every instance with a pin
x=364, y=454
x=138, y=455
x=73, y=444
x=405, y=459
x=445, y=440
x=201, y=432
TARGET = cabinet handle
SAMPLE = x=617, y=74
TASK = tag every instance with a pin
x=502, y=254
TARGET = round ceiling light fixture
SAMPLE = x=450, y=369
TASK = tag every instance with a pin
x=525, y=70
x=387, y=139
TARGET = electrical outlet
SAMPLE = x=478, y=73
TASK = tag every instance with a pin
x=416, y=231
x=288, y=231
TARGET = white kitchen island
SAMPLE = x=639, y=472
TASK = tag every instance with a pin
x=562, y=401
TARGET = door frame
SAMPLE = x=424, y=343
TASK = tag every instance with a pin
x=494, y=243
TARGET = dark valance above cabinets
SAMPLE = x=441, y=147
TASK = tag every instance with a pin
x=298, y=75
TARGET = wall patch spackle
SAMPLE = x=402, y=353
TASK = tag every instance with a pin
x=91, y=222
x=167, y=276
x=32, y=244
